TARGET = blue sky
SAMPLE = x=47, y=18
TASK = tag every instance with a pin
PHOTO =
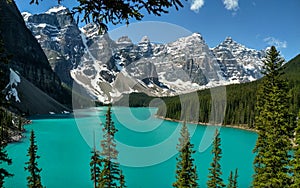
x=254, y=23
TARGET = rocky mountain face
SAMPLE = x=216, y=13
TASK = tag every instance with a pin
x=238, y=63
x=59, y=36
x=28, y=59
x=108, y=68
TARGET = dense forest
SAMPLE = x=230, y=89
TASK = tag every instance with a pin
x=240, y=100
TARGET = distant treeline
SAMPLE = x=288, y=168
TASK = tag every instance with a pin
x=240, y=100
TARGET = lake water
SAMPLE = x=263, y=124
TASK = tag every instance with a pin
x=147, y=149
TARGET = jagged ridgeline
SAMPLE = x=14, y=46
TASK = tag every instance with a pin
x=108, y=68
x=241, y=99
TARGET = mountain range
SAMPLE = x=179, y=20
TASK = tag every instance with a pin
x=106, y=69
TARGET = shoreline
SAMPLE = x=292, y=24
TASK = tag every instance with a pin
x=207, y=124
x=17, y=136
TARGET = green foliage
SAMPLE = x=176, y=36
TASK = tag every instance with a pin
x=235, y=182
x=110, y=174
x=102, y=12
x=116, y=11
x=214, y=177
x=241, y=99
x=5, y=125
x=240, y=102
x=4, y=59
x=296, y=158
x=291, y=70
x=275, y=125
x=186, y=173
x=34, y=179
x=95, y=164
x=122, y=180
x=5, y=118
x=232, y=180
x=4, y=159
x=134, y=100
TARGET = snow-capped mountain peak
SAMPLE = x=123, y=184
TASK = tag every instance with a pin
x=145, y=39
x=124, y=40
x=90, y=30
x=243, y=64
x=194, y=38
x=26, y=15
x=59, y=36
x=108, y=68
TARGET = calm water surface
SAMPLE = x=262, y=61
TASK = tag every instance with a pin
x=147, y=147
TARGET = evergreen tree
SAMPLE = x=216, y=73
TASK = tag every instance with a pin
x=110, y=175
x=214, y=178
x=95, y=165
x=296, y=159
x=3, y=159
x=20, y=124
x=34, y=179
x=3, y=62
x=235, y=183
x=230, y=180
x=275, y=126
x=186, y=173
x=122, y=180
x=3, y=120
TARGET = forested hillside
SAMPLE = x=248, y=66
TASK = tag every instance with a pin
x=241, y=99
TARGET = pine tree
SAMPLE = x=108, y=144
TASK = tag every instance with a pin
x=274, y=125
x=186, y=173
x=214, y=178
x=122, y=180
x=95, y=165
x=230, y=180
x=296, y=159
x=4, y=159
x=34, y=179
x=110, y=175
x=235, y=183
x=20, y=124
x=3, y=121
x=3, y=62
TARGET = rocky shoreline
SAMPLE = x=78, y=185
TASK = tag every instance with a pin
x=16, y=132
x=17, y=136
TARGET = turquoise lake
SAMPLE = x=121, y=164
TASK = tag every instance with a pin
x=146, y=145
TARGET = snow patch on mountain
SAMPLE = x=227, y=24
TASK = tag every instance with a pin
x=59, y=36
x=14, y=80
x=107, y=68
x=26, y=15
x=239, y=63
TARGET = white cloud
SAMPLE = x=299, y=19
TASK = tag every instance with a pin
x=231, y=4
x=196, y=5
x=275, y=42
